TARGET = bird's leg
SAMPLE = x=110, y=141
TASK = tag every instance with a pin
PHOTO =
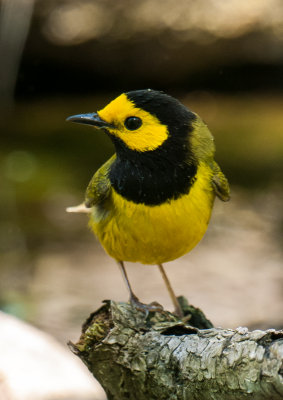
x=133, y=298
x=178, y=311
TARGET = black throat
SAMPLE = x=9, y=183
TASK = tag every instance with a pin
x=152, y=177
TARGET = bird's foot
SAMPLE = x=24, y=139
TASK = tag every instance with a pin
x=179, y=312
x=146, y=308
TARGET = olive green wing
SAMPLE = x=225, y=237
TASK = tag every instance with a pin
x=99, y=187
x=220, y=183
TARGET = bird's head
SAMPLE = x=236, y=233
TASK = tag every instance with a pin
x=146, y=121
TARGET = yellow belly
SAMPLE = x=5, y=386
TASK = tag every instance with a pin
x=155, y=234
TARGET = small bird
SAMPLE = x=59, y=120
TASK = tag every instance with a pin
x=152, y=200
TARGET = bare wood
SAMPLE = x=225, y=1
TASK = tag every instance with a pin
x=159, y=357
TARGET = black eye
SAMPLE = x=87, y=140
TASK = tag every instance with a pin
x=133, y=123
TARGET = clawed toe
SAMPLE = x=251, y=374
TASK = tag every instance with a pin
x=146, y=308
x=157, y=307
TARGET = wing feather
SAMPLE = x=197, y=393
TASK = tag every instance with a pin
x=220, y=183
x=99, y=187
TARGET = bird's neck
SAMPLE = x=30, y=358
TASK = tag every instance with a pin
x=152, y=178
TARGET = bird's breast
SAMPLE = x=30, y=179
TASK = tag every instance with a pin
x=154, y=234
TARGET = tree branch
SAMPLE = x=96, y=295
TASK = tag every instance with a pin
x=158, y=356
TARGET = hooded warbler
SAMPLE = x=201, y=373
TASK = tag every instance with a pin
x=151, y=201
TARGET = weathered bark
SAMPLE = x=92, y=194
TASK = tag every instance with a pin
x=138, y=357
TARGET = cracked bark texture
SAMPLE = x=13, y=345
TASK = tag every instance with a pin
x=157, y=356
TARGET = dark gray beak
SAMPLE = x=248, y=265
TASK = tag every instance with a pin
x=90, y=119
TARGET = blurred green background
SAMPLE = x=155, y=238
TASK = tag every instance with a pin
x=224, y=60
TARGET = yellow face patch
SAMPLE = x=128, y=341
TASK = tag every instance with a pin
x=149, y=136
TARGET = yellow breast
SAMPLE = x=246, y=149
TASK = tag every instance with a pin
x=155, y=234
